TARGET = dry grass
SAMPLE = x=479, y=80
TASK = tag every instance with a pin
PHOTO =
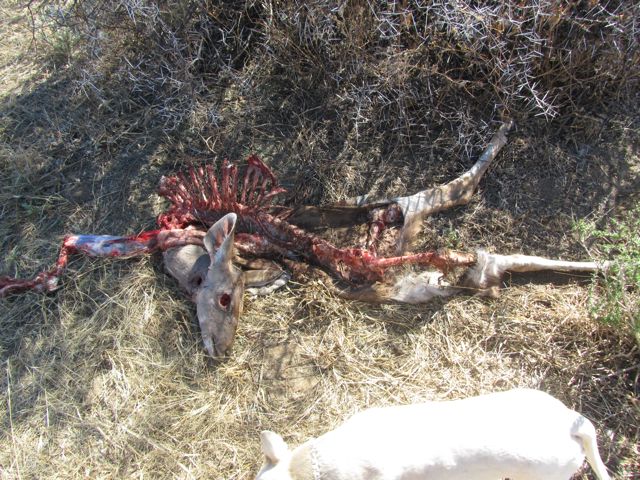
x=107, y=378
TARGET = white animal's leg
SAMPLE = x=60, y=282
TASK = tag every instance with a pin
x=585, y=432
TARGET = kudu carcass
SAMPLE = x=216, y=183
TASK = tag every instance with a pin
x=238, y=210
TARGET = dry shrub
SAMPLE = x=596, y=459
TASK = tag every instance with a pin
x=396, y=66
x=359, y=82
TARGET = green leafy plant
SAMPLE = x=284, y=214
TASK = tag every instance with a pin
x=616, y=300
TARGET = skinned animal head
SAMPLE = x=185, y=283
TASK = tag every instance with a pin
x=219, y=299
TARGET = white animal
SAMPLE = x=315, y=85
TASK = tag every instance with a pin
x=520, y=434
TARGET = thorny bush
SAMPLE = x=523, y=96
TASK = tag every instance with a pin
x=386, y=66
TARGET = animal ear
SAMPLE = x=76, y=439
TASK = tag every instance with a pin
x=273, y=446
x=219, y=239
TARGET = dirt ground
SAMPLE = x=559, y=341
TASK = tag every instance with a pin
x=107, y=378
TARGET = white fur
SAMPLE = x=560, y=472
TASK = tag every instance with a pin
x=519, y=434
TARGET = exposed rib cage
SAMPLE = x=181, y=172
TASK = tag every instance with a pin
x=196, y=195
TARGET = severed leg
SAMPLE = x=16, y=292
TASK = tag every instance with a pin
x=485, y=276
x=100, y=246
x=420, y=205
x=414, y=208
x=91, y=245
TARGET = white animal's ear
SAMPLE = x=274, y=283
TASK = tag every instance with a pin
x=273, y=446
x=219, y=239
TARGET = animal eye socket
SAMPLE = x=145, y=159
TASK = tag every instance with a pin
x=224, y=300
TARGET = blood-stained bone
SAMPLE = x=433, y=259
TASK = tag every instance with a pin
x=100, y=246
